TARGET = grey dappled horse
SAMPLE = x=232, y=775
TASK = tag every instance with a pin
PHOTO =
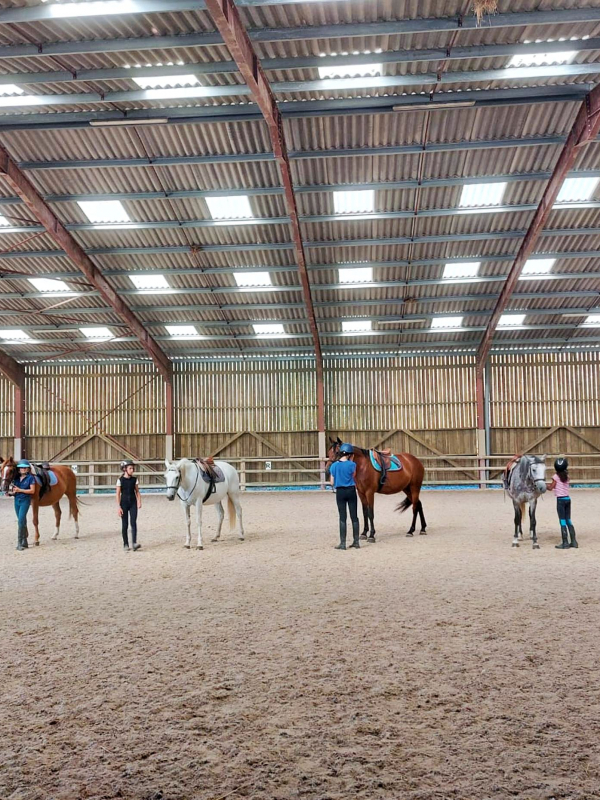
x=526, y=482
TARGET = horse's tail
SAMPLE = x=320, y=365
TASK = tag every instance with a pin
x=232, y=514
x=406, y=503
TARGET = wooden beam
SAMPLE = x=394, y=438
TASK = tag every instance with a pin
x=23, y=187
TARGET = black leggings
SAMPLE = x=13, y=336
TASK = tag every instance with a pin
x=346, y=496
x=563, y=508
x=129, y=517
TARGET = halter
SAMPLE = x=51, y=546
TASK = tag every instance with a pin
x=178, y=471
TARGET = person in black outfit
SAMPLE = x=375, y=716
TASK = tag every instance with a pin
x=129, y=500
x=344, y=484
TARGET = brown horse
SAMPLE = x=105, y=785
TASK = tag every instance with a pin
x=66, y=485
x=408, y=480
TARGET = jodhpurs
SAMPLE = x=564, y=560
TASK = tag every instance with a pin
x=22, y=505
x=346, y=496
x=563, y=508
x=130, y=511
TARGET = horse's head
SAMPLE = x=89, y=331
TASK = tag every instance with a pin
x=537, y=472
x=333, y=453
x=173, y=478
x=8, y=472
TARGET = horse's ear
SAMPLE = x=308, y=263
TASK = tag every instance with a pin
x=167, y=465
x=339, y=441
x=331, y=440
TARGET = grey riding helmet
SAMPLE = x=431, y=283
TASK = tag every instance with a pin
x=561, y=464
x=127, y=463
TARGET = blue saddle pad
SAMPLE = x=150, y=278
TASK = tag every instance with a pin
x=395, y=464
x=51, y=476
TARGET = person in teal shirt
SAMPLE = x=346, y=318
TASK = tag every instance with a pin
x=22, y=490
x=344, y=485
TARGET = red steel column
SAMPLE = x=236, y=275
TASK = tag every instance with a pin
x=170, y=415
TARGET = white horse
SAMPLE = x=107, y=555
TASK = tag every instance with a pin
x=184, y=479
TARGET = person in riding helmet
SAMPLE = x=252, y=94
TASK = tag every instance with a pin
x=129, y=501
x=22, y=490
x=344, y=485
x=561, y=486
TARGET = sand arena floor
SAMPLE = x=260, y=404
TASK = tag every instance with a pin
x=446, y=666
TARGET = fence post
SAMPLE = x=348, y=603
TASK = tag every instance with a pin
x=243, y=476
x=91, y=481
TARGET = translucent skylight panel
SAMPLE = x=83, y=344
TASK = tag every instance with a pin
x=357, y=325
x=539, y=59
x=350, y=71
x=8, y=89
x=98, y=333
x=446, y=322
x=479, y=195
x=149, y=282
x=575, y=190
x=356, y=274
x=4, y=222
x=98, y=211
x=234, y=207
x=269, y=329
x=253, y=278
x=14, y=335
x=182, y=331
x=358, y=202
x=464, y=269
x=537, y=266
x=49, y=285
x=510, y=320
x=592, y=320
x=166, y=81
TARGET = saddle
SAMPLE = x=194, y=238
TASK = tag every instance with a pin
x=383, y=461
x=44, y=476
x=210, y=473
x=508, y=470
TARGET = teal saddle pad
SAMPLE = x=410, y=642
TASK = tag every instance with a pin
x=395, y=464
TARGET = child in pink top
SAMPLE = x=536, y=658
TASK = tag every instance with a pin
x=562, y=487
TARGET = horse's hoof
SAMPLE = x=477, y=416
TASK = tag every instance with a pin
x=515, y=544
x=371, y=539
x=199, y=547
x=536, y=546
x=54, y=538
x=187, y=547
x=363, y=536
x=214, y=540
x=409, y=533
x=241, y=538
x=423, y=533
x=36, y=544
x=76, y=537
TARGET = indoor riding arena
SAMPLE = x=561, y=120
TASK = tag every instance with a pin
x=321, y=277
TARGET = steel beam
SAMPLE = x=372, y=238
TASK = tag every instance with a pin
x=56, y=230
x=226, y=18
x=304, y=62
x=384, y=28
x=240, y=112
x=298, y=155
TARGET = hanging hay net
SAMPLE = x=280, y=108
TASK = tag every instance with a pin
x=483, y=7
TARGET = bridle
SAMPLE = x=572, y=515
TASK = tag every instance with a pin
x=178, y=484
x=6, y=481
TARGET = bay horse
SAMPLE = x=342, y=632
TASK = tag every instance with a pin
x=66, y=485
x=525, y=482
x=408, y=480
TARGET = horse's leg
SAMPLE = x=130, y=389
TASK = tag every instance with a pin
x=521, y=521
x=517, y=507
x=199, y=522
x=413, y=525
x=235, y=499
x=188, y=523
x=36, y=520
x=220, y=518
x=57, y=516
x=74, y=510
x=370, y=498
x=532, y=523
x=363, y=502
x=422, y=518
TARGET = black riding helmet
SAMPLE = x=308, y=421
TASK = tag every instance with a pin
x=561, y=464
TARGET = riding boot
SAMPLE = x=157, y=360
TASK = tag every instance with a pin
x=342, y=544
x=572, y=533
x=22, y=538
x=564, y=545
x=355, y=535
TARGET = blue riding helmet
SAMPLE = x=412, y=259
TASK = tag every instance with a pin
x=347, y=449
x=23, y=464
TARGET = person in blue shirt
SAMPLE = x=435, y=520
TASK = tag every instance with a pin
x=22, y=490
x=344, y=485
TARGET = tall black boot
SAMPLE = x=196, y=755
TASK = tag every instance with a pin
x=564, y=545
x=355, y=535
x=22, y=538
x=572, y=533
x=342, y=544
